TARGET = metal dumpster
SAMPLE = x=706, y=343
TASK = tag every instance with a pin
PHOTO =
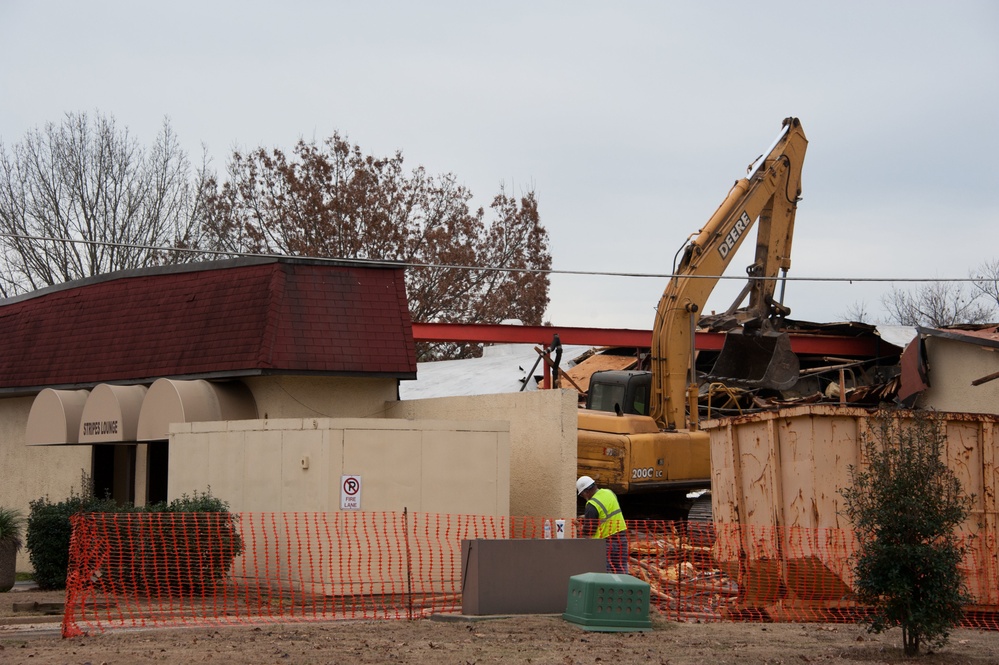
x=776, y=478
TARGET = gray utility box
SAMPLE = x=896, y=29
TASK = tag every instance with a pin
x=525, y=576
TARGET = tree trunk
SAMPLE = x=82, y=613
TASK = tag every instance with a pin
x=910, y=641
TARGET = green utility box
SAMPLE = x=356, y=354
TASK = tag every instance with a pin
x=608, y=603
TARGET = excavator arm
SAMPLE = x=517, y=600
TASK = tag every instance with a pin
x=766, y=198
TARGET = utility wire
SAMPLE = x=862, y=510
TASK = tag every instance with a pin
x=446, y=266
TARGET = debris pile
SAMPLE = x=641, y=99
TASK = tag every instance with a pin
x=678, y=566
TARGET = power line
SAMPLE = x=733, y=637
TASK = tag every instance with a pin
x=445, y=266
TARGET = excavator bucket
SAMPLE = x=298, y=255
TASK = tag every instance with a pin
x=756, y=360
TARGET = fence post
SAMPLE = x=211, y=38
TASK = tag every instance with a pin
x=409, y=564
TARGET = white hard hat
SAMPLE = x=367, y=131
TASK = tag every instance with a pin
x=584, y=483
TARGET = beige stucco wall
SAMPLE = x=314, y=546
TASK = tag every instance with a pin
x=288, y=465
x=31, y=472
x=320, y=397
x=537, y=478
x=296, y=465
x=952, y=367
x=542, y=439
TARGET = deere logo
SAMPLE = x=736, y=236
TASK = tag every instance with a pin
x=733, y=236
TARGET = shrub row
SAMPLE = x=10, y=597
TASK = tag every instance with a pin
x=153, y=548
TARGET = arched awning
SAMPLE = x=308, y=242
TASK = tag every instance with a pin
x=55, y=417
x=170, y=401
x=130, y=414
x=111, y=414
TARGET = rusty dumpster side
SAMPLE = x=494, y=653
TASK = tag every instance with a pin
x=776, y=481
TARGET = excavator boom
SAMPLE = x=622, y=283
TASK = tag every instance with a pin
x=768, y=198
x=653, y=457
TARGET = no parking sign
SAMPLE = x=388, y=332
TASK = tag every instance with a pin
x=350, y=492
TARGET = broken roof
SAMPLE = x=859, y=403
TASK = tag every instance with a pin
x=985, y=336
x=503, y=368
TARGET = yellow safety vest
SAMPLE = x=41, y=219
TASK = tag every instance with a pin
x=611, y=520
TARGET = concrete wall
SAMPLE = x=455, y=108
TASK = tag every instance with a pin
x=297, y=465
x=288, y=465
x=31, y=472
x=952, y=367
x=542, y=436
x=542, y=441
x=321, y=397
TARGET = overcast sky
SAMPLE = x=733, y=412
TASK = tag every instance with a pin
x=629, y=120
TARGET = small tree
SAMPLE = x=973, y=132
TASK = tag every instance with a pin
x=905, y=506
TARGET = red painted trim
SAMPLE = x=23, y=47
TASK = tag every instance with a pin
x=805, y=344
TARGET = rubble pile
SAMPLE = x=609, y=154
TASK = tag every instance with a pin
x=681, y=574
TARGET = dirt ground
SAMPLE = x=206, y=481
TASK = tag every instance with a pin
x=524, y=639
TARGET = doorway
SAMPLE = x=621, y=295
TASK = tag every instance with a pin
x=113, y=472
x=157, y=462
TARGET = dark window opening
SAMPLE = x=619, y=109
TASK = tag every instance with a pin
x=102, y=472
x=113, y=472
x=157, y=461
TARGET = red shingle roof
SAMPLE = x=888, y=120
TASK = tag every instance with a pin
x=229, y=318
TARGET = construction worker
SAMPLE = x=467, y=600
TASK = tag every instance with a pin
x=603, y=518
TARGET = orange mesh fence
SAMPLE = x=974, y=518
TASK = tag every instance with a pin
x=142, y=569
x=160, y=569
x=713, y=572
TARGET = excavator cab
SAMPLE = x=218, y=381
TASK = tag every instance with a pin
x=619, y=391
x=756, y=359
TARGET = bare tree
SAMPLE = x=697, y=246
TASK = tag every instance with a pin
x=936, y=304
x=856, y=312
x=82, y=197
x=332, y=200
x=987, y=281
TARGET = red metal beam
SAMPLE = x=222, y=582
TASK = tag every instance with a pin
x=540, y=335
x=868, y=346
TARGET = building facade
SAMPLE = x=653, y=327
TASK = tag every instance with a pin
x=262, y=379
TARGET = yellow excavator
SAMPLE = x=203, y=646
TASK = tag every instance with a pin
x=638, y=434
